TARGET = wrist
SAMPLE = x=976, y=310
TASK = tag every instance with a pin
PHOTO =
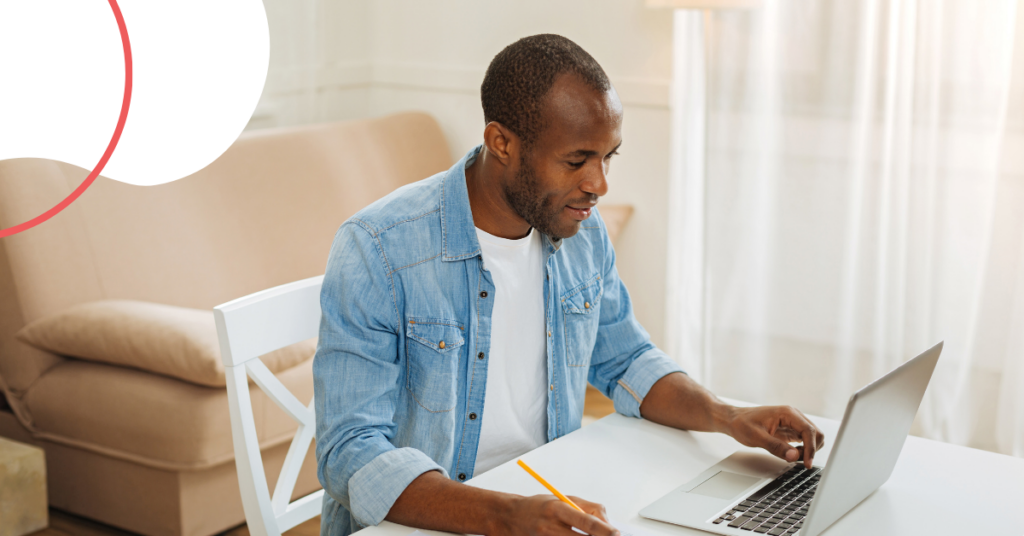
x=722, y=417
x=502, y=514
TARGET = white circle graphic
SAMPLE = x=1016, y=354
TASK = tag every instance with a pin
x=199, y=70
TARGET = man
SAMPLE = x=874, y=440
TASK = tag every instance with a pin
x=463, y=316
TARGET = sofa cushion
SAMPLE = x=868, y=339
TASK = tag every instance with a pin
x=174, y=341
x=152, y=419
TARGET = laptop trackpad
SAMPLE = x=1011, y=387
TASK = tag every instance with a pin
x=725, y=485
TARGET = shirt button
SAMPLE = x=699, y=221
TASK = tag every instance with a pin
x=441, y=345
x=483, y=294
x=549, y=334
x=462, y=476
x=472, y=416
x=552, y=387
x=480, y=355
x=586, y=305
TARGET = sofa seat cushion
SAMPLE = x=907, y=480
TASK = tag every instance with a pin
x=174, y=341
x=151, y=419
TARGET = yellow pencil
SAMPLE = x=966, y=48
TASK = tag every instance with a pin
x=551, y=488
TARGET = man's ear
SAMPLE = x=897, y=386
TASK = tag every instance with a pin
x=501, y=143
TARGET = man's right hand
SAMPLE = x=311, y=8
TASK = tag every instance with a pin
x=548, y=516
x=432, y=501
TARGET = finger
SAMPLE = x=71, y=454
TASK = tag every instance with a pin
x=779, y=447
x=802, y=425
x=809, y=447
x=592, y=508
x=585, y=522
x=787, y=434
x=794, y=419
x=821, y=440
x=809, y=443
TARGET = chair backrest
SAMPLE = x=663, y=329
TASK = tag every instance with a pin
x=247, y=328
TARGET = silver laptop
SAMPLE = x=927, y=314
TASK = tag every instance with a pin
x=755, y=493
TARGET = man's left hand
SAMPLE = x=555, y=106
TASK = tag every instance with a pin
x=676, y=400
x=773, y=428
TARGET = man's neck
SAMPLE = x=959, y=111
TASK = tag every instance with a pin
x=491, y=210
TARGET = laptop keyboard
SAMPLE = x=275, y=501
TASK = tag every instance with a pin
x=779, y=508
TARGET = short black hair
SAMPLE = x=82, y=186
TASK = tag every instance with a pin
x=520, y=75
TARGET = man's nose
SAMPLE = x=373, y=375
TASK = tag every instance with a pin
x=597, y=180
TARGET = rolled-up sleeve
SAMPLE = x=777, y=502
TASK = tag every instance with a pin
x=625, y=363
x=356, y=373
x=379, y=483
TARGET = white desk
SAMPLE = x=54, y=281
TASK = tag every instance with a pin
x=625, y=464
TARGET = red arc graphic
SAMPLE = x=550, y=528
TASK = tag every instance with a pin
x=110, y=146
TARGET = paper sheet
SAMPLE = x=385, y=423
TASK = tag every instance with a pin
x=625, y=529
x=632, y=530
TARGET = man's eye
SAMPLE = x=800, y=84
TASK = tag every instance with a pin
x=611, y=154
x=577, y=165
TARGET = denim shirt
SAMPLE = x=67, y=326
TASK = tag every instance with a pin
x=401, y=363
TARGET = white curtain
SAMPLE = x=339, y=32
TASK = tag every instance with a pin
x=864, y=199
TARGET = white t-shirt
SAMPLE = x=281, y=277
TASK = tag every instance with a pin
x=515, y=405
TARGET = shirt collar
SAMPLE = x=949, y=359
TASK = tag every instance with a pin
x=458, y=233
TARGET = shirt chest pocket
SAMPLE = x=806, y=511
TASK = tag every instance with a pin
x=432, y=350
x=581, y=308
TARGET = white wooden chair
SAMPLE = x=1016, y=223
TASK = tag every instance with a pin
x=247, y=328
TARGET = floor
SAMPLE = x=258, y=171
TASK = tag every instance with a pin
x=63, y=524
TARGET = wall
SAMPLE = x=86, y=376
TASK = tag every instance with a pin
x=334, y=60
x=319, y=62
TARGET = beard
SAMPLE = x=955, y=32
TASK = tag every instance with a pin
x=541, y=211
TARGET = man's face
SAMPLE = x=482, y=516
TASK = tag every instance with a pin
x=558, y=180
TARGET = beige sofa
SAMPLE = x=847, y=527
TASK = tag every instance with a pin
x=149, y=452
x=135, y=427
